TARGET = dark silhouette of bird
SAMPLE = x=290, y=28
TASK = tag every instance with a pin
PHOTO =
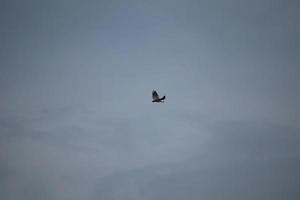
x=156, y=98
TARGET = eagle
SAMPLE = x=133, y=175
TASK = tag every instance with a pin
x=156, y=98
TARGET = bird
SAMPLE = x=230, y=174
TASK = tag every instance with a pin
x=156, y=98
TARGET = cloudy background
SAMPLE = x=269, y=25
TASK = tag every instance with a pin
x=76, y=117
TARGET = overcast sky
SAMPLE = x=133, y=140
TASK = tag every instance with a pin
x=76, y=117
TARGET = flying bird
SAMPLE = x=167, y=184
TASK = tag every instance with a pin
x=156, y=98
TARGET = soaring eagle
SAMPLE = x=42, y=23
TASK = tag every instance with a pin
x=156, y=98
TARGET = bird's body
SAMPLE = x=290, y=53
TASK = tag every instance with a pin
x=156, y=98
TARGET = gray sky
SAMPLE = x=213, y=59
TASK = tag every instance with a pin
x=76, y=117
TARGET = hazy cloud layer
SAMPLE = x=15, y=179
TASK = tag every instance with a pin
x=76, y=117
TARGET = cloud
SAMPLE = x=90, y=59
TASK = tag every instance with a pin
x=245, y=160
x=145, y=157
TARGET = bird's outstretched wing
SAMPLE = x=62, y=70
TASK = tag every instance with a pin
x=155, y=95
